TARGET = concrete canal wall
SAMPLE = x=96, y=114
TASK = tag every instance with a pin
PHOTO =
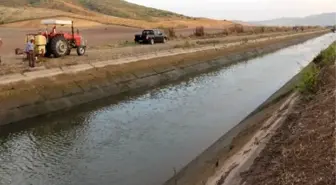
x=37, y=93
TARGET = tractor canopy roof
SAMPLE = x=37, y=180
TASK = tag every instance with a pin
x=56, y=22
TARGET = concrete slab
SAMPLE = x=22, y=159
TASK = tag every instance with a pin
x=162, y=69
x=119, y=61
x=174, y=75
x=43, y=73
x=151, y=57
x=196, y=68
x=9, y=116
x=130, y=59
x=76, y=68
x=146, y=57
x=11, y=78
x=178, y=50
x=124, y=78
x=163, y=53
x=199, y=49
x=112, y=89
x=207, y=47
x=102, y=64
x=144, y=73
x=195, y=50
x=169, y=54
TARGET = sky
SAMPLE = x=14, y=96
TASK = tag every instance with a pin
x=246, y=10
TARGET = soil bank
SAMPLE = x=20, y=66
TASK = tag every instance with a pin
x=302, y=150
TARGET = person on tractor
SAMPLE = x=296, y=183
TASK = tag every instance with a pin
x=30, y=47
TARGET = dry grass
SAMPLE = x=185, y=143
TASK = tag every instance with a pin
x=186, y=44
x=199, y=31
x=170, y=32
x=236, y=29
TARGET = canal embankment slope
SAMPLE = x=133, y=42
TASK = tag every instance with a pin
x=229, y=153
x=40, y=92
x=296, y=144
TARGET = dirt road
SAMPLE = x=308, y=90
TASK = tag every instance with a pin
x=96, y=36
x=100, y=49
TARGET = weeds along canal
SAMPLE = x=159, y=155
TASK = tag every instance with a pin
x=139, y=140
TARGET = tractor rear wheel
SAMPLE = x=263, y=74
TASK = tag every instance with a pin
x=48, y=50
x=81, y=50
x=59, y=46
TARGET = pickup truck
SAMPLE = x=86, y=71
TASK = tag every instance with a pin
x=151, y=37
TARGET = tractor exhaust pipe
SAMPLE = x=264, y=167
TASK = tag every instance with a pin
x=73, y=32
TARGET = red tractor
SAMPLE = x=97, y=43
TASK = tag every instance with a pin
x=60, y=43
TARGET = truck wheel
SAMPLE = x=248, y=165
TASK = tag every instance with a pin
x=59, y=46
x=151, y=42
x=81, y=50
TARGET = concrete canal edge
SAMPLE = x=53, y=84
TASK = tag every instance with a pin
x=203, y=166
x=55, y=91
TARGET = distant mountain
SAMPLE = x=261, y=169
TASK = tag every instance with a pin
x=240, y=22
x=324, y=19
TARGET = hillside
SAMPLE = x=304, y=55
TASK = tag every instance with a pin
x=324, y=19
x=117, y=8
x=117, y=12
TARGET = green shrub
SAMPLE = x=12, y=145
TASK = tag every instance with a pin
x=309, y=78
x=310, y=75
x=327, y=56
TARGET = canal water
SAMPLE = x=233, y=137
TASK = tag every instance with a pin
x=139, y=140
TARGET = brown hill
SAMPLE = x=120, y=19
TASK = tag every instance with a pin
x=117, y=12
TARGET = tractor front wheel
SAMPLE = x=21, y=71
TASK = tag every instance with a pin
x=59, y=46
x=81, y=50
